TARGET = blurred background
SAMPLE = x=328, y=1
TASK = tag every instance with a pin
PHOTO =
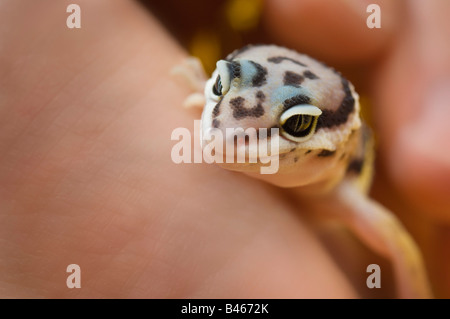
x=212, y=29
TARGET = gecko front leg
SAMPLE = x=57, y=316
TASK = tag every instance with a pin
x=191, y=72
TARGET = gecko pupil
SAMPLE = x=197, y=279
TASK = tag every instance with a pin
x=298, y=125
x=217, y=88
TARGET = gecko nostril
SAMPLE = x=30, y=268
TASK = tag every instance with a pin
x=293, y=79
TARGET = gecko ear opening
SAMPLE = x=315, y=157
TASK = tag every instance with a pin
x=298, y=123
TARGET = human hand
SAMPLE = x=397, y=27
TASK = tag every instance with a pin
x=86, y=175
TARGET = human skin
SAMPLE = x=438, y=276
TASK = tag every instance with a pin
x=86, y=175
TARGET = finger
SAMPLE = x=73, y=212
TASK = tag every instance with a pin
x=413, y=108
x=335, y=31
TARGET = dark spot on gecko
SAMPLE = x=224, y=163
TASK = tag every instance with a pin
x=295, y=159
x=215, y=123
x=239, y=111
x=279, y=59
x=296, y=100
x=292, y=150
x=326, y=153
x=355, y=166
x=308, y=151
x=292, y=79
x=342, y=157
x=216, y=110
x=237, y=102
x=234, y=68
x=333, y=118
x=260, y=76
x=309, y=75
x=260, y=96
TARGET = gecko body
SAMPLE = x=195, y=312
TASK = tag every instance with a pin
x=325, y=150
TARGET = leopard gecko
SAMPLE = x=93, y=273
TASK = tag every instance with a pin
x=325, y=150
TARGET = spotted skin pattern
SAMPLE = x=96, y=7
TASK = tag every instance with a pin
x=265, y=81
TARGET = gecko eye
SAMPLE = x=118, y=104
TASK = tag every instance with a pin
x=217, y=88
x=223, y=80
x=298, y=123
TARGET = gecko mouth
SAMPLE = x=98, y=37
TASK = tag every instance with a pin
x=241, y=151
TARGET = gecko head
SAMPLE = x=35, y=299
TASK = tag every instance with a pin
x=262, y=93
